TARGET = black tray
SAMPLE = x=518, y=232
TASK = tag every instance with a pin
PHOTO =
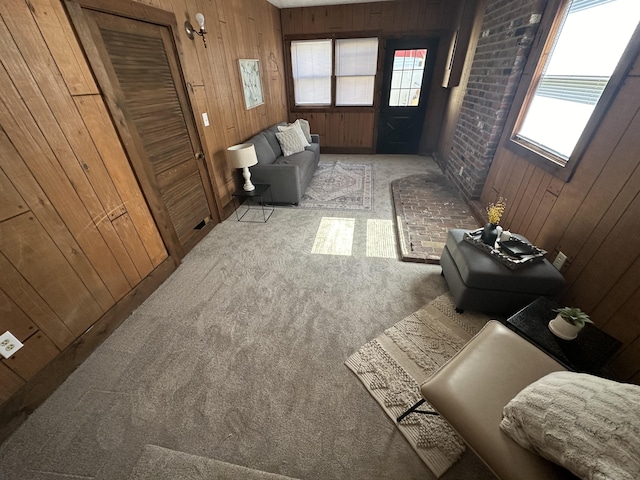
x=517, y=247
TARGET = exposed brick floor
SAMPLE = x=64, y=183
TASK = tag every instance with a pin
x=426, y=208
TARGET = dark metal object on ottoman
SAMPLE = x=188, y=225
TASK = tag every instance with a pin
x=479, y=282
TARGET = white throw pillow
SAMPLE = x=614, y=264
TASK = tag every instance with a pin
x=587, y=424
x=290, y=142
x=296, y=128
x=306, y=129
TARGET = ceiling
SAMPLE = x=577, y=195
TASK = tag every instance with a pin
x=315, y=3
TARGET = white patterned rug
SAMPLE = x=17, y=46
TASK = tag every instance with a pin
x=340, y=186
x=393, y=365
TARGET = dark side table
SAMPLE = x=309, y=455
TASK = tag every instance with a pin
x=588, y=353
x=254, y=200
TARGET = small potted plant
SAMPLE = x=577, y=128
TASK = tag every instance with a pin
x=568, y=322
x=491, y=232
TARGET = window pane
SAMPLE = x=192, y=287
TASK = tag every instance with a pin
x=356, y=56
x=577, y=71
x=356, y=64
x=408, y=68
x=354, y=90
x=311, y=65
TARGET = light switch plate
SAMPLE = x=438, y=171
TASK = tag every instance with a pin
x=205, y=119
x=9, y=344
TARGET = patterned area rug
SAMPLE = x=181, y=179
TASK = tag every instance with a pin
x=393, y=365
x=340, y=186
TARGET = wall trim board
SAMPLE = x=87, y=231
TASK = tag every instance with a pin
x=22, y=403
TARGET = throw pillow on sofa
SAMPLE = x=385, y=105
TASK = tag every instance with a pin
x=305, y=127
x=290, y=142
x=587, y=424
x=296, y=128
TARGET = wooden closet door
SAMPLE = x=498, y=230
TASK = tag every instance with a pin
x=139, y=73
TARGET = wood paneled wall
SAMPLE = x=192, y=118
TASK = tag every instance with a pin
x=76, y=234
x=356, y=132
x=78, y=244
x=594, y=219
x=236, y=29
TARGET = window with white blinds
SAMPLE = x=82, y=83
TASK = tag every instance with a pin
x=356, y=64
x=591, y=39
x=311, y=68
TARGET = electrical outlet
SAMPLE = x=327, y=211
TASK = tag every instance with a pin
x=9, y=344
x=559, y=261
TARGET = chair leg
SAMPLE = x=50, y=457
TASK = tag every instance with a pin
x=414, y=409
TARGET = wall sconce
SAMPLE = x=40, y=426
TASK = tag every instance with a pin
x=190, y=30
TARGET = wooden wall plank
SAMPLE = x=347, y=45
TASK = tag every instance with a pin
x=11, y=203
x=626, y=328
x=73, y=200
x=135, y=247
x=32, y=252
x=601, y=273
x=528, y=198
x=612, y=193
x=102, y=131
x=9, y=383
x=42, y=162
x=13, y=319
x=39, y=204
x=32, y=304
x=606, y=312
x=518, y=197
x=37, y=351
x=63, y=45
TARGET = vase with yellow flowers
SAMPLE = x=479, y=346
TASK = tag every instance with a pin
x=492, y=230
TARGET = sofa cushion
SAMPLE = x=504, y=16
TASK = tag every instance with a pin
x=587, y=424
x=270, y=135
x=297, y=129
x=290, y=142
x=264, y=152
x=306, y=163
x=315, y=148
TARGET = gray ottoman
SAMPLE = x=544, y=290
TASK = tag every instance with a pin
x=478, y=282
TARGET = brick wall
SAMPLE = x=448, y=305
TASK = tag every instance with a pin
x=508, y=30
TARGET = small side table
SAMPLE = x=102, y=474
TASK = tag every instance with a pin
x=254, y=200
x=587, y=354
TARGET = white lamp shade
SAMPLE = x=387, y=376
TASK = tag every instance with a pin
x=243, y=155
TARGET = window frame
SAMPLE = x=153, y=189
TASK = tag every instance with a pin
x=549, y=25
x=293, y=108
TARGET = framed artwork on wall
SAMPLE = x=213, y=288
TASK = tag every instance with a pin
x=251, y=82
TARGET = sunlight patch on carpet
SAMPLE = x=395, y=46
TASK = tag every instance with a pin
x=335, y=236
x=381, y=238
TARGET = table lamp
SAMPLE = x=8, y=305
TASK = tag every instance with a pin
x=244, y=156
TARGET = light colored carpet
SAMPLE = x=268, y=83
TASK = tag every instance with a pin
x=394, y=364
x=340, y=186
x=158, y=463
x=239, y=356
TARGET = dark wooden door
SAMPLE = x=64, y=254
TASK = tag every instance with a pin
x=138, y=70
x=408, y=68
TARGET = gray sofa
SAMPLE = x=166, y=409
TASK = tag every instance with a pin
x=288, y=176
